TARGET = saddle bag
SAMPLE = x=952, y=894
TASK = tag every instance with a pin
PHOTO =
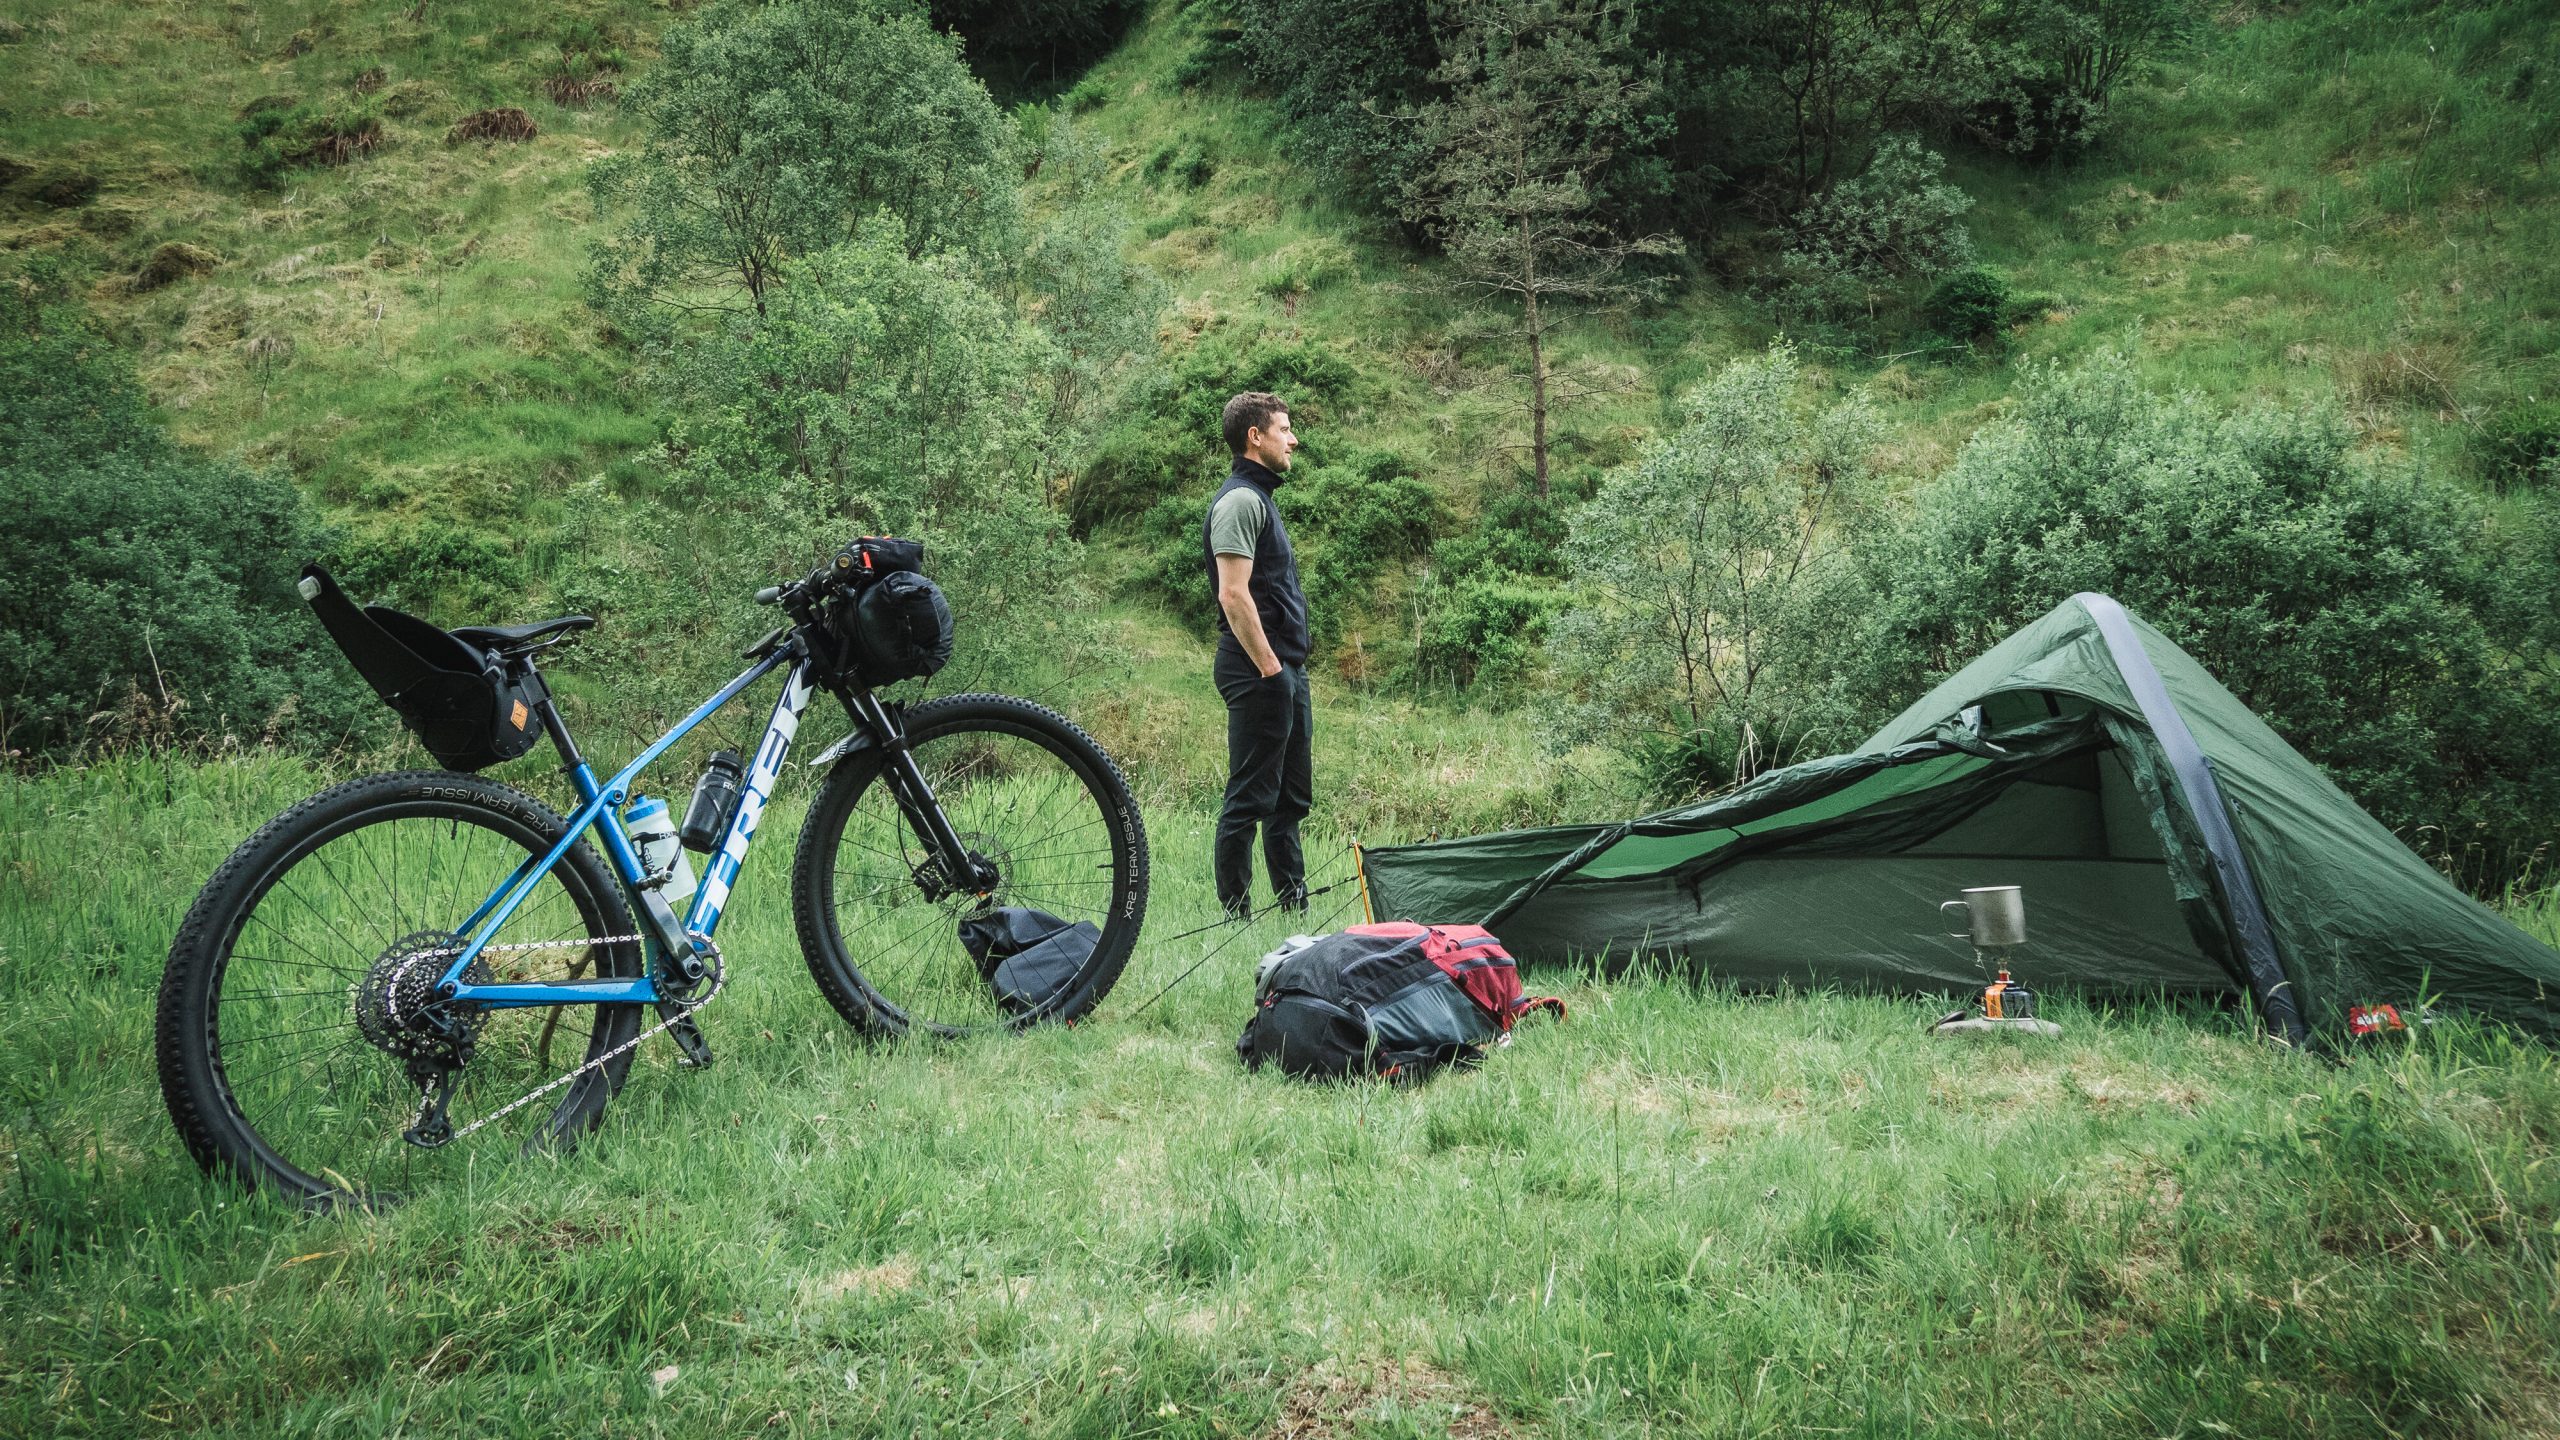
x=1398, y=1000
x=458, y=699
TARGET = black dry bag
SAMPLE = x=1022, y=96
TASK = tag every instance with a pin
x=1029, y=958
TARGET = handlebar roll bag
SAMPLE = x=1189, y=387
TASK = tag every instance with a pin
x=901, y=628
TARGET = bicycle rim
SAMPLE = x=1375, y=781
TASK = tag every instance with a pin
x=336, y=933
x=1018, y=799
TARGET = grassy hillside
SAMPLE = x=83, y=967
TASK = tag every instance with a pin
x=403, y=332
x=2342, y=200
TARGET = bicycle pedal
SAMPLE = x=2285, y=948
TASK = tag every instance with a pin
x=696, y=1051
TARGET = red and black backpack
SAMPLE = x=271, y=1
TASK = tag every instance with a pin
x=1396, y=1000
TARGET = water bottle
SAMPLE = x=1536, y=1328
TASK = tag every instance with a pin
x=653, y=834
x=714, y=803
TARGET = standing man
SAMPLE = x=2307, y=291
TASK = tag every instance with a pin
x=1262, y=660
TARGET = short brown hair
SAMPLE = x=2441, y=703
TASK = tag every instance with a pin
x=1251, y=410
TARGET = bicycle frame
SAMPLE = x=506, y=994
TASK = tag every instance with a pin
x=601, y=810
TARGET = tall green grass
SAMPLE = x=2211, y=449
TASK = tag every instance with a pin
x=1683, y=1210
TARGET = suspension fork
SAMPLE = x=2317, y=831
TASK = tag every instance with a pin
x=914, y=793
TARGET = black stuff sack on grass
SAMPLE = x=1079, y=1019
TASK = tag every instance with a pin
x=1028, y=957
x=1398, y=1001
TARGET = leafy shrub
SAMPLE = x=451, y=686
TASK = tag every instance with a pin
x=2359, y=609
x=884, y=393
x=1482, y=633
x=1089, y=94
x=1219, y=54
x=1713, y=578
x=2521, y=443
x=1350, y=519
x=420, y=564
x=1171, y=569
x=1973, y=304
x=1900, y=218
x=2057, y=63
x=146, y=583
x=1522, y=534
x=1341, y=92
x=1174, y=412
x=774, y=131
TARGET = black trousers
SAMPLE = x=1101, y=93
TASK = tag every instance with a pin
x=1270, y=778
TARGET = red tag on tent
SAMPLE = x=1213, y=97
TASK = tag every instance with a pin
x=2365, y=1020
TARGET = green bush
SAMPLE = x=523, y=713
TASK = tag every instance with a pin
x=150, y=595
x=422, y=564
x=1167, y=440
x=1972, y=305
x=2521, y=444
x=1090, y=94
x=883, y=393
x=770, y=132
x=1714, y=578
x=1482, y=633
x=1522, y=534
x=276, y=138
x=1170, y=568
x=1218, y=55
x=2357, y=607
x=1350, y=519
x=1899, y=218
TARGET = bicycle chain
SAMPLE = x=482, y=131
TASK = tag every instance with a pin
x=685, y=1010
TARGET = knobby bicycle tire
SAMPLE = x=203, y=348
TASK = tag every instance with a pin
x=1023, y=786
x=298, y=882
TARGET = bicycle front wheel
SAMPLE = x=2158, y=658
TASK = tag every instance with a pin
x=1032, y=797
x=298, y=1021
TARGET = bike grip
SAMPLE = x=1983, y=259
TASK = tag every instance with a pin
x=768, y=594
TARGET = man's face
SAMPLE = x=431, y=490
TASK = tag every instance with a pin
x=1270, y=444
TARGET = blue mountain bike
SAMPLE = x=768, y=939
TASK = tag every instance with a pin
x=405, y=968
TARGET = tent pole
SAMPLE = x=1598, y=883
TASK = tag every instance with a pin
x=2193, y=770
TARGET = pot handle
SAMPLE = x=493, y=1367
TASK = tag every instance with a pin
x=1967, y=932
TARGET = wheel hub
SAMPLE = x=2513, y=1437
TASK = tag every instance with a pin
x=398, y=1010
x=986, y=854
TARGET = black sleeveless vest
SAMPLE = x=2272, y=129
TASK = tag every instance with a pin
x=1274, y=584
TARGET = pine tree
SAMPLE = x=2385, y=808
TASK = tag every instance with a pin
x=1539, y=96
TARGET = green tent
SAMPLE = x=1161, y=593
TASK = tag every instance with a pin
x=2167, y=841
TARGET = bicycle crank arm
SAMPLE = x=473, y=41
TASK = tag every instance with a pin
x=672, y=939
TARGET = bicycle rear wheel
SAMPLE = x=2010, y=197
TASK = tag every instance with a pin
x=1028, y=793
x=299, y=1005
